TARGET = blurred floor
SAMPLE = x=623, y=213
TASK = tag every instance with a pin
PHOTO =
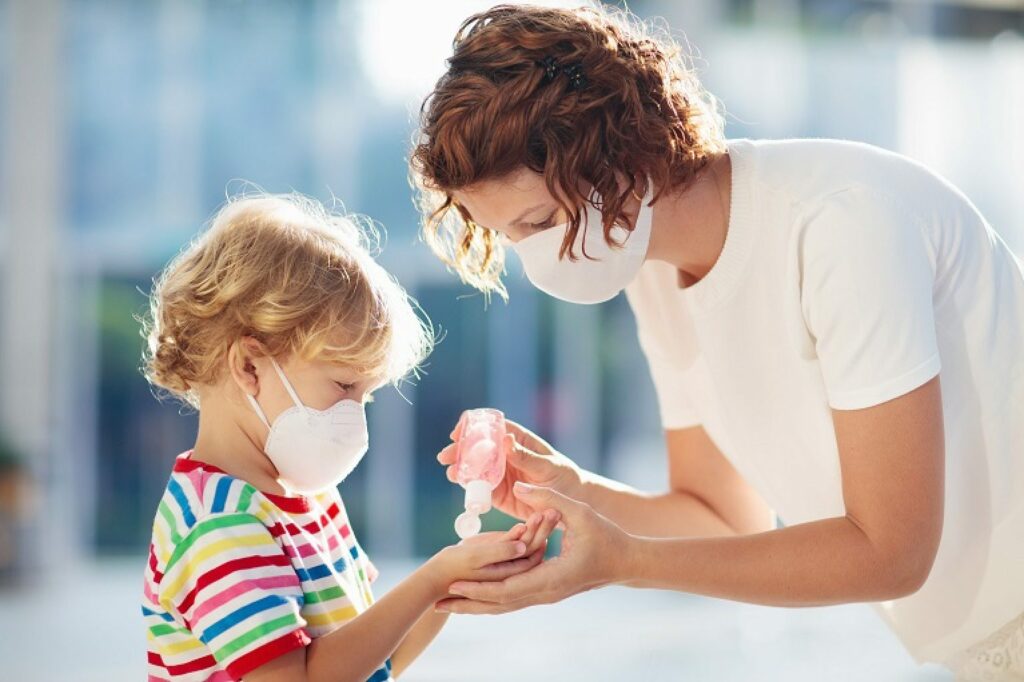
x=87, y=628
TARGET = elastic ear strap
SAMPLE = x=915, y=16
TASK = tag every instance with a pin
x=287, y=385
x=259, y=410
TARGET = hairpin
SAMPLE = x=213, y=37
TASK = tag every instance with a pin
x=574, y=72
x=550, y=66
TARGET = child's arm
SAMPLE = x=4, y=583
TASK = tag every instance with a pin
x=359, y=647
x=537, y=529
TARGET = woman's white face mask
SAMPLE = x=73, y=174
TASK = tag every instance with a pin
x=595, y=277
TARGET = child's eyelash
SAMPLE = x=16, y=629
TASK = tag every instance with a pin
x=344, y=387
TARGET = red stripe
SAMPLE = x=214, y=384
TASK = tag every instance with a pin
x=215, y=574
x=157, y=575
x=244, y=665
x=203, y=663
x=185, y=464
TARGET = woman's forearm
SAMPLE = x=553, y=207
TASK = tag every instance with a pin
x=418, y=639
x=813, y=564
x=658, y=515
x=359, y=647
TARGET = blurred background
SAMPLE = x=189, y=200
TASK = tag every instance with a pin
x=124, y=124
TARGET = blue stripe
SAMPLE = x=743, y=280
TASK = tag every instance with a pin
x=163, y=615
x=354, y=552
x=314, y=573
x=382, y=675
x=322, y=570
x=179, y=495
x=237, y=616
x=221, y=496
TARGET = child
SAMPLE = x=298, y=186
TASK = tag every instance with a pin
x=277, y=325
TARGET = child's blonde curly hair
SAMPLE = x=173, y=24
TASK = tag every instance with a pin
x=291, y=274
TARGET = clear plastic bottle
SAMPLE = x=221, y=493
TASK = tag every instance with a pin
x=479, y=464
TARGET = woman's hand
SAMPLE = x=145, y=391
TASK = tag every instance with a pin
x=528, y=459
x=594, y=554
x=492, y=556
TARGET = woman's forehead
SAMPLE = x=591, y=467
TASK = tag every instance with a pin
x=500, y=202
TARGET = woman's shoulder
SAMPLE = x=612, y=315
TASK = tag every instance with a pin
x=810, y=171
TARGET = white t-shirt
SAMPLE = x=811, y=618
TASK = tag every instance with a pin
x=850, y=276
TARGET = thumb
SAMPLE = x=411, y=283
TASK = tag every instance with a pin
x=525, y=459
x=539, y=498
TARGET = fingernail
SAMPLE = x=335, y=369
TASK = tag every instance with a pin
x=520, y=548
x=525, y=488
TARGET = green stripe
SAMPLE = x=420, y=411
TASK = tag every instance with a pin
x=165, y=512
x=324, y=595
x=167, y=629
x=206, y=526
x=243, y=499
x=254, y=634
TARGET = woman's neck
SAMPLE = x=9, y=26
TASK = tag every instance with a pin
x=689, y=227
x=223, y=443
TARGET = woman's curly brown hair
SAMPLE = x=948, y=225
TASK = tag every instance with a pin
x=589, y=97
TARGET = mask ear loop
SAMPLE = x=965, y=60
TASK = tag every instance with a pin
x=288, y=386
x=259, y=410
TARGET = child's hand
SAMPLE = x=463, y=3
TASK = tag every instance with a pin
x=493, y=556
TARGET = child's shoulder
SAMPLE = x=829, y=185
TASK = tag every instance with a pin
x=197, y=491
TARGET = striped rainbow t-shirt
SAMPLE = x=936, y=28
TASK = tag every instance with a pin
x=237, y=577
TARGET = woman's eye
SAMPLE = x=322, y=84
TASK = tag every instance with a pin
x=544, y=224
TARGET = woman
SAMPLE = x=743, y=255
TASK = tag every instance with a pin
x=835, y=334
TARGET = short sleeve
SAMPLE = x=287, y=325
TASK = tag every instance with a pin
x=236, y=591
x=867, y=281
x=670, y=386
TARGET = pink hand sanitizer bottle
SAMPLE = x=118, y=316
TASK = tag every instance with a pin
x=479, y=464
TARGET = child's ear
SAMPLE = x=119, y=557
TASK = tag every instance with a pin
x=246, y=358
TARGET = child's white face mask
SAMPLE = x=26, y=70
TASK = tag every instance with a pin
x=314, y=450
x=595, y=277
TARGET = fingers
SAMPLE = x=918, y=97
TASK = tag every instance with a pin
x=539, y=527
x=526, y=460
x=511, y=535
x=532, y=523
x=447, y=454
x=496, y=552
x=513, y=589
x=528, y=438
x=457, y=431
x=477, y=608
x=537, y=497
x=507, y=569
x=549, y=521
x=516, y=532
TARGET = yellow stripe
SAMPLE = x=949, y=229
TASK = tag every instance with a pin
x=194, y=560
x=177, y=648
x=268, y=511
x=162, y=544
x=331, y=617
